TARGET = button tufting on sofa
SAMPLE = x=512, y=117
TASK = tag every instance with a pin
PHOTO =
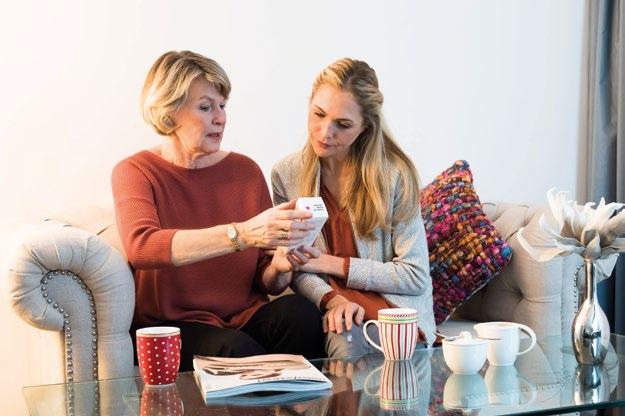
x=65, y=279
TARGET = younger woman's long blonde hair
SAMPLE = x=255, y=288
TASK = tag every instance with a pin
x=372, y=157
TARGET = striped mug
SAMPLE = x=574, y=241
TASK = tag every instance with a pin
x=399, y=385
x=398, y=332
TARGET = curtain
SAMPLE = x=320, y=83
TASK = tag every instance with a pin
x=606, y=131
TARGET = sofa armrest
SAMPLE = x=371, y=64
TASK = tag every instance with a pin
x=65, y=279
x=540, y=295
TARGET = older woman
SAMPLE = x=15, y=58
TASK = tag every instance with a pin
x=375, y=251
x=195, y=220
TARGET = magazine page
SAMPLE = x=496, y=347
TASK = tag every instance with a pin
x=219, y=377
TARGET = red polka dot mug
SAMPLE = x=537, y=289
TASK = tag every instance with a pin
x=161, y=400
x=158, y=351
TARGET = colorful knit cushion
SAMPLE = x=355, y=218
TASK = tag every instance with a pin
x=466, y=251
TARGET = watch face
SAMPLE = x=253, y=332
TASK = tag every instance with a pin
x=232, y=232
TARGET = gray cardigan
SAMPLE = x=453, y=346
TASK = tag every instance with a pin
x=394, y=264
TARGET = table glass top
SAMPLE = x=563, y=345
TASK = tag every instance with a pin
x=546, y=380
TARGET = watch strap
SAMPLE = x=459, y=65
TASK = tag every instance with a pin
x=232, y=235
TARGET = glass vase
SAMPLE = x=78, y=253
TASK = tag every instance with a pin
x=591, y=329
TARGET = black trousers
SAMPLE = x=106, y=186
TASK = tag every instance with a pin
x=290, y=324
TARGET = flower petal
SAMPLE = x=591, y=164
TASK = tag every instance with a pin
x=593, y=249
x=583, y=214
x=599, y=219
x=569, y=245
x=604, y=266
x=556, y=202
x=558, y=239
x=618, y=245
x=614, y=227
x=539, y=252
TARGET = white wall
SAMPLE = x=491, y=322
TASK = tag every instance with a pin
x=496, y=83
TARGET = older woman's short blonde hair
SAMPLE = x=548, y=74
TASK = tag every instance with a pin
x=167, y=86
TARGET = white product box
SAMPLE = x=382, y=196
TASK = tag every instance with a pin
x=316, y=206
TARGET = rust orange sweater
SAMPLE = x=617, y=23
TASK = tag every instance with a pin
x=154, y=199
x=339, y=239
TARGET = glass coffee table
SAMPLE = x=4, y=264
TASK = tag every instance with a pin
x=547, y=380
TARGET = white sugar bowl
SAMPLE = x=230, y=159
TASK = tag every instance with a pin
x=466, y=393
x=464, y=354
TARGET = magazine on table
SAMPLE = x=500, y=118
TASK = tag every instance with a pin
x=219, y=377
x=272, y=398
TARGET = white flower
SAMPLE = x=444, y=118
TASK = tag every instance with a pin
x=590, y=232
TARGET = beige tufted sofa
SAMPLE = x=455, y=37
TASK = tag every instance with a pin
x=68, y=275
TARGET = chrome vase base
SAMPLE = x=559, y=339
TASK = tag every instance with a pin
x=591, y=329
x=590, y=342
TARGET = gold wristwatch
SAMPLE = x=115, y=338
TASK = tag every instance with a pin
x=232, y=235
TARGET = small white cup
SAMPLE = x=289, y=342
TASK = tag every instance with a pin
x=504, y=386
x=465, y=354
x=504, y=349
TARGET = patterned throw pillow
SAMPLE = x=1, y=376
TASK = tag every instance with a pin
x=466, y=251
